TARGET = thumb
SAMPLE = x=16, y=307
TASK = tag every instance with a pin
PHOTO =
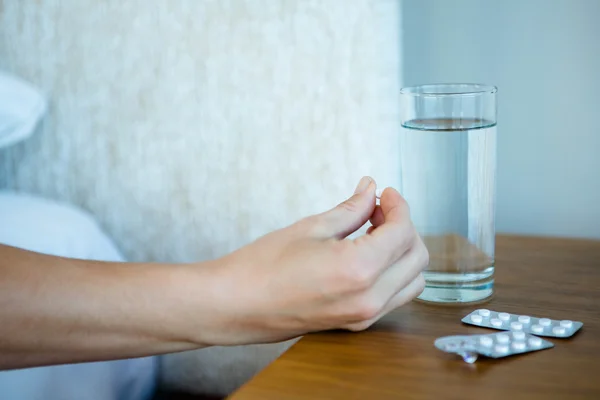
x=350, y=215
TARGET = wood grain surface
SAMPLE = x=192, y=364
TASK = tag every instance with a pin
x=396, y=359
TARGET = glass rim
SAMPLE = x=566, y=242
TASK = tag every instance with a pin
x=463, y=89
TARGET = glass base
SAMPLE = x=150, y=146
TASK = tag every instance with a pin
x=458, y=288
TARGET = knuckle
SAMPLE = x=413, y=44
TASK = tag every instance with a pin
x=357, y=276
x=349, y=273
x=367, y=309
x=342, y=251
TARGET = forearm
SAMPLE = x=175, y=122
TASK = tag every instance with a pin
x=56, y=310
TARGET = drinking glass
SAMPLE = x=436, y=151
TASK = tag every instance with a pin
x=448, y=177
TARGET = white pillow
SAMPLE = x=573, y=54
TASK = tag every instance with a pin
x=21, y=107
x=59, y=229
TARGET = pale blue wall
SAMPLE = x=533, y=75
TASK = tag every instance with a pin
x=545, y=58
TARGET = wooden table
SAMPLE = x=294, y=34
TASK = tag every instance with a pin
x=396, y=358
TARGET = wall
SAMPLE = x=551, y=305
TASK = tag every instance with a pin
x=190, y=128
x=544, y=56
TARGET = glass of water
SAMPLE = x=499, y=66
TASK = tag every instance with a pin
x=448, y=177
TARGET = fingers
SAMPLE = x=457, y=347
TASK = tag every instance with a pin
x=397, y=253
x=377, y=218
x=397, y=285
x=400, y=274
x=393, y=236
x=410, y=292
x=348, y=216
x=393, y=206
x=367, y=277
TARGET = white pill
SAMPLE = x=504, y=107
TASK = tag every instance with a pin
x=537, y=328
x=504, y=316
x=476, y=318
x=484, y=313
x=545, y=322
x=502, y=338
x=520, y=335
x=566, y=324
x=501, y=348
x=535, y=342
x=558, y=330
x=524, y=319
x=378, y=193
x=518, y=345
x=517, y=326
x=496, y=322
x=486, y=341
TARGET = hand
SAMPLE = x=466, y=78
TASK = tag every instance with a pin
x=309, y=277
x=304, y=278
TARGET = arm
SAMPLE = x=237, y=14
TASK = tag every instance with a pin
x=304, y=278
x=56, y=310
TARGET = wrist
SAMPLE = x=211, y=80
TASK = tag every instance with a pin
x=202, y=300
x=228, y=307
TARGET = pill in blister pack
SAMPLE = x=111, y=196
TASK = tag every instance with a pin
x=525, y=323
x=493, y=345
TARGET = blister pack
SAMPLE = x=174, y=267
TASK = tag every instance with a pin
x=525, y=323
x=493, y=345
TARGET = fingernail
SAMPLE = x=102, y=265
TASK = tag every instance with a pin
x=363, y=185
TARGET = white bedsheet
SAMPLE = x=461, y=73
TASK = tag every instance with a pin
x=58, y=229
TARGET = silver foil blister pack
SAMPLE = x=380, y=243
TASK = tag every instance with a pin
x=493, y=345
x=524, y=323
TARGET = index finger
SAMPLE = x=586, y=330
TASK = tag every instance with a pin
x=388, y=242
